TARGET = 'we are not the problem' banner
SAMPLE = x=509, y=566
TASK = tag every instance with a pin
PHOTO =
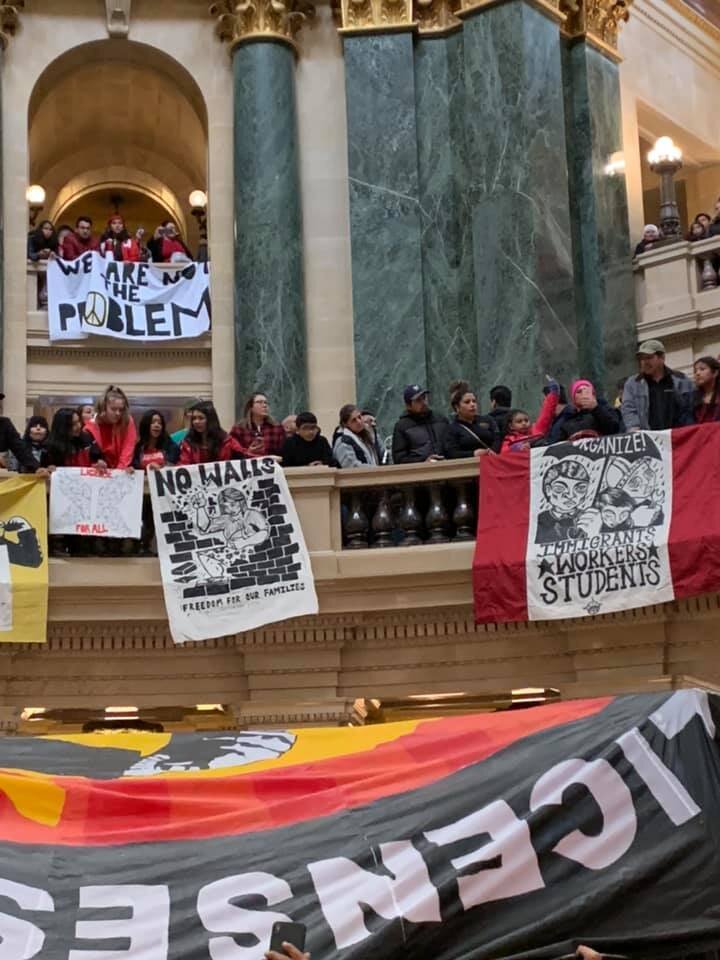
x=132, y=301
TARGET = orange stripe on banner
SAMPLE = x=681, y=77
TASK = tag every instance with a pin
x=143, y=809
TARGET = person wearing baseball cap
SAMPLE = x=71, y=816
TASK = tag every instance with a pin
x=658, y=398
x=419, y=434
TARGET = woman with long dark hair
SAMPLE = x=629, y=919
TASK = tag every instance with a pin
x=167, y=246
x=206, y=441
x=68, y=445
x=705, y=400
x=256, y=430
x=42, y=241
x=154, y=448
x=117, y=244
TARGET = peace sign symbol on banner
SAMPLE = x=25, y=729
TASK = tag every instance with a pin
x=95, y=309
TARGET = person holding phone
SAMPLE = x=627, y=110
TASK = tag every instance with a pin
x=288, y=951
x=287, y=939
x=256, y=430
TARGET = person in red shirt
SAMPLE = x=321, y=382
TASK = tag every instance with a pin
x=113, y=430
x=167, y=246
x=155, y=448
x=257, y=431
x=117, y=244
x=206, y=441
x=68, y=445
x=78, y=241
x=520, y=433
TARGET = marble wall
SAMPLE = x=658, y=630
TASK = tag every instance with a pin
x=447, y=250
x=518, y=191
x=604, y=291
x=269, y=297
x=385, y=221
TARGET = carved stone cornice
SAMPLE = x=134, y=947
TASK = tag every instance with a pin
x=376, y=16
x=436, y=17
x=597, y=21
x=252, y=20
x=9, y=20
x=550, y=8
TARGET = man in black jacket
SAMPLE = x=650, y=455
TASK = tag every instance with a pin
x=419, y=434
x=11, y=440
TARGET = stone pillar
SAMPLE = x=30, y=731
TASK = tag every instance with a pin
x=604, y=292
x=269, y=291
x=518, y=196
x=447, y=252
x=385, y=216
x=8, y=26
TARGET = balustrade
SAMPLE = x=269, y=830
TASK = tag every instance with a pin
x=408, y=506
x=678, y=299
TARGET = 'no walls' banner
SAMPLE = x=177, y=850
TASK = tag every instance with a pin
x=232, y=553
x=597, y=526
x=132, y=301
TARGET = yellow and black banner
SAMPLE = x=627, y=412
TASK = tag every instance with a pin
x=23, y=560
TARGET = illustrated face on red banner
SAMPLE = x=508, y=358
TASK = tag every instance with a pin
x=599, y=521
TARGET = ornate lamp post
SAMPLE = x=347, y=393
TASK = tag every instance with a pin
x=665, y=159
x=198, y=208
x=35, y=196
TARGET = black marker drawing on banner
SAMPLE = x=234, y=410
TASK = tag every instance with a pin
x=20, y=538
x=214, y=752
x=602, y=506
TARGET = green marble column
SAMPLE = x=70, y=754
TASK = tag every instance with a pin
x=604, y=293
x=447, y=251
x=385, y=221
x=269, y=297
x=518, y=192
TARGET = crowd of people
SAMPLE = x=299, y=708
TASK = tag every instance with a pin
x=105, y=434
x=702, y=227
x=114, y=243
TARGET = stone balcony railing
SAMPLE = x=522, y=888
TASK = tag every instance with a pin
x=678, y=299
x=425, y=514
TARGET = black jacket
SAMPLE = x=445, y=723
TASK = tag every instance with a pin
x=11, y=440
x=499, y=416
x=418, y=435
x=604, y=420
x=297, y=452
x=463, y=439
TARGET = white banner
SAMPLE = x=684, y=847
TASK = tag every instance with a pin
x=232, y=553
x=132, y=301
x=599, y=523
x=94, y=503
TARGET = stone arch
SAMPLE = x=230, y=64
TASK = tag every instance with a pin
x=127, y=113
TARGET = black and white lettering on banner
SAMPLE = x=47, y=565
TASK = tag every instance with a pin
x=232, y=553
x=132, y=301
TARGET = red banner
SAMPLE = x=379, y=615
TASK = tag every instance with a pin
x=597, y=526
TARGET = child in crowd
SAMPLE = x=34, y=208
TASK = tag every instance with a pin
x=87, y=412
x=35, y=439
x=206, y=441
x=306, y=447
x=42, y=242
x=155, y=448
x=113, y=430
x=117, y=244
x=520, y=434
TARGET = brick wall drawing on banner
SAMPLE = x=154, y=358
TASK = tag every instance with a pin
x=228, y=540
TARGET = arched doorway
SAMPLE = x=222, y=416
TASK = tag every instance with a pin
x=125, y=125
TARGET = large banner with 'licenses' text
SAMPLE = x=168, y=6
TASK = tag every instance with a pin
x=598, y=525
x=510, y=835
x=132, y=301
